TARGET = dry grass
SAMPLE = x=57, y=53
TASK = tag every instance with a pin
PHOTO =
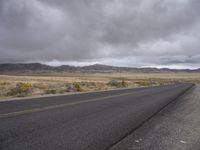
x=75, y=82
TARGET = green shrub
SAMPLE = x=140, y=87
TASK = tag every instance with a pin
x=77, y=87
x=21, y=89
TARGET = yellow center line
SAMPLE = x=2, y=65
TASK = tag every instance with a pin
x=17, y=113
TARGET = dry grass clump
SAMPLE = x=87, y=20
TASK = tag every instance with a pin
x=50, y=91
x=117, y=84
x=143, y=83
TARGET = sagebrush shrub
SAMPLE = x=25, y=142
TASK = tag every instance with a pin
x=21, y=89
x=117, y=84
x=77, y=87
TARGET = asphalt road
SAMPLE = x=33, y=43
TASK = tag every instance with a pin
x=89, y=121
x=176, y=127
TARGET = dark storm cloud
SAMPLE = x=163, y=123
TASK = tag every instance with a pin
x=140, y=33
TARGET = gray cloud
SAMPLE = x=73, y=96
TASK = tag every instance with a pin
x=116, y=32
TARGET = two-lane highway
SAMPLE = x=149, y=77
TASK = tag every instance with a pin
x=89, y=121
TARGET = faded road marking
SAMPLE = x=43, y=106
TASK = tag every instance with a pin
x=17, y=113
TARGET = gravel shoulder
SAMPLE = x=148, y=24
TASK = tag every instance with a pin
x=177, y=127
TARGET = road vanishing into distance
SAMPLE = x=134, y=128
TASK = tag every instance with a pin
x=87, y=121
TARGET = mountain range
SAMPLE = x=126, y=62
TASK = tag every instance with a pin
x=96, y=68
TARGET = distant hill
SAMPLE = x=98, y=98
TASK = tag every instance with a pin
x=37, y=67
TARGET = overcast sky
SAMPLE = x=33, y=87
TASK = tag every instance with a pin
x=135, y=33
